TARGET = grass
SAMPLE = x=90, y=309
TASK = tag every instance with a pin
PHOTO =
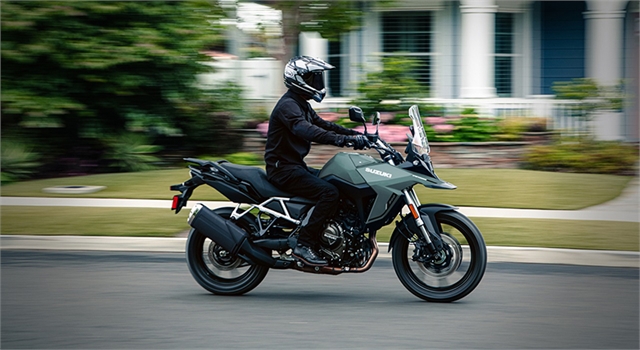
x=602, y=235
x=500, y=188
x=507, y=188
x=145, y=184
x=92, y=221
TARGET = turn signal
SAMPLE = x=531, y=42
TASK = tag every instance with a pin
x=414, y=212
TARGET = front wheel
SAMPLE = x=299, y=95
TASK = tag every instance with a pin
x=215, y=269
x=455, y=273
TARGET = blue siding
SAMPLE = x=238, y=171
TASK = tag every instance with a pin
x=562, y=29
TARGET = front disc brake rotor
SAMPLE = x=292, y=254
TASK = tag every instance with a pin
x=448, y=261
x=221, y=258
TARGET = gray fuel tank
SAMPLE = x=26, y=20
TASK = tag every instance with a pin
x=344, y=164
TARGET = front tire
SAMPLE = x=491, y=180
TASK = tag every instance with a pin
x=215, y=270
x=449, y=279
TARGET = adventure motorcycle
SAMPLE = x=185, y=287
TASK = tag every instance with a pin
x=438, y=253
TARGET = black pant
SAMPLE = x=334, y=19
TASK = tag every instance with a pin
x=304, y=182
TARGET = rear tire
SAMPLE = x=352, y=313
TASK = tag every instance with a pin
x=213, y=268
x=447, y=280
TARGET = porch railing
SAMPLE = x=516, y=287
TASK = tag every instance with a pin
x=561, y=115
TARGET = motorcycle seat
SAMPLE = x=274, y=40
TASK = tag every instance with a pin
x=257, y=177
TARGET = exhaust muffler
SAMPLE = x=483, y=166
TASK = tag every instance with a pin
x=231, y=237
x=218, y=229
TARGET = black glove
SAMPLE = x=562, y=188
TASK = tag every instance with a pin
x=356, y=141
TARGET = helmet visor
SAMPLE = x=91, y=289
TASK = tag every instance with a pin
x=315, y=80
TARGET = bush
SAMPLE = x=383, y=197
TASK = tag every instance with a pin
x=511, y=128
x=244, y=158
x=467, y=128
x=601, y=157
x=130, y=152
x=396, y=81
x=18, y=161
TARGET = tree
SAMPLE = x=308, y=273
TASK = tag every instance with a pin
x=329, y=18
x=590, y=97
x=76, y=72
x=394, y=82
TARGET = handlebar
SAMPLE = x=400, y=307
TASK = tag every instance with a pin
x=387, y=153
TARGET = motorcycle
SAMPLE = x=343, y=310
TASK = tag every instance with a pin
x=438, y=253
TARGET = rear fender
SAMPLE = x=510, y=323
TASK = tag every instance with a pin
x=186, y=190
x=407, y=226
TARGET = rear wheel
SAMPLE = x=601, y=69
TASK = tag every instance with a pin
x=215, y=269
x=457, y=270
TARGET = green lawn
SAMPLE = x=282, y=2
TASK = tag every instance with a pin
x=602, y=235
x=500, y=188
x=509, y=188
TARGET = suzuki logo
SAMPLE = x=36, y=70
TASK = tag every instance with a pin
x=378, y=172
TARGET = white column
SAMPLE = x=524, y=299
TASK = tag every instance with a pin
x=314, y=45
x=604, y=40
x=477, y=48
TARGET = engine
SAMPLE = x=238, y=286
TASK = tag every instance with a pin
x=342, y=243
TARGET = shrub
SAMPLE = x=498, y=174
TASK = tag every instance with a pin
x=18, y=161
x=244, y=158
x=396, y=81
x=130, y=152
x=602, y=157
x=471, y=128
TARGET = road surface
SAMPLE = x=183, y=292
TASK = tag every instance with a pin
x=134, y=300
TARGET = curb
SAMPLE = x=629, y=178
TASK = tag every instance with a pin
x=177, y=244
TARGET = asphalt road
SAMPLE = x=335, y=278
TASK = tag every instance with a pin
x=57, y=299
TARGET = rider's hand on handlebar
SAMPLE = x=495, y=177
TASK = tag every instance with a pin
x=356, y=141
x=373, y=138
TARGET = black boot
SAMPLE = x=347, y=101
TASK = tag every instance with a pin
x=308, y=256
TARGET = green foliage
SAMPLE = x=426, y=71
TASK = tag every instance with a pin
x=329, y=18
x=468, y=128
x=90, y=68
x=511, y=128
x=469, y=111
x=394, y=82
x=18, y=161
x=244, y=158
x=590, y=96
x=130, y=152
x=253, y=116
x=585, y=156
x=577, y=89
x=475, y=129
x=347, y=123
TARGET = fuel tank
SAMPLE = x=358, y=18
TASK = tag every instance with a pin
x=344, y=164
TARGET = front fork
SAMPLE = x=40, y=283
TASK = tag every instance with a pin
x=426, y=227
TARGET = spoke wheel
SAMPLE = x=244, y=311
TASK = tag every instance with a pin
x=215, y=269
x=455, y=272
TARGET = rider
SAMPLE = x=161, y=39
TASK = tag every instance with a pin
x=293, y=125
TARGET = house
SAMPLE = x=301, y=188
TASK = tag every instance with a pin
x=500, y=56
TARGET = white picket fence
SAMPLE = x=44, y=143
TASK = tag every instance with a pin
x=561, y=115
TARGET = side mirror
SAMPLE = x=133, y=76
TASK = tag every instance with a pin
x=356, y=114
x=375, y=119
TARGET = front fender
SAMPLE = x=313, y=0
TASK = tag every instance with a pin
x=428, y=214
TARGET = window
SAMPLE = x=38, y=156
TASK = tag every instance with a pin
x=409, y=34
x=336, y=58
x=504, y=54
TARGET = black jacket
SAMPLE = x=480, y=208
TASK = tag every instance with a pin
x=293, y=125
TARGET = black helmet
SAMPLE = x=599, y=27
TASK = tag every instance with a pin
x=303, y=75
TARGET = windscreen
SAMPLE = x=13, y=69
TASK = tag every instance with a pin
x=420, y=143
